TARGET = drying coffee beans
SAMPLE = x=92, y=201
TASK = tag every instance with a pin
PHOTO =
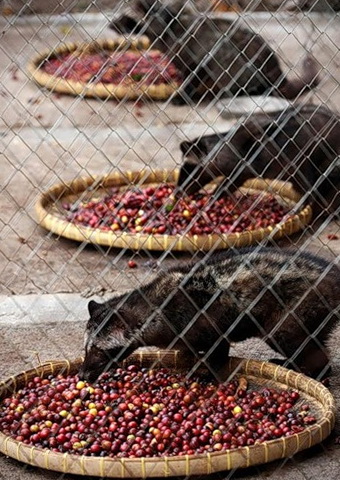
x=118, y=68
x=154, y=211
x=136, y=412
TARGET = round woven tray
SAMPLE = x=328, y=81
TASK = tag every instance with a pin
x=97, y=90
x=51, y=215
x=257, y=374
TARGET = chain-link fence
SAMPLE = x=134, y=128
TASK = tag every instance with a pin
x=138, y=137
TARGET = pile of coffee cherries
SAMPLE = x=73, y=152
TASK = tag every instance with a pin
x=150, y=68
x=154, y=211
x=135, y=412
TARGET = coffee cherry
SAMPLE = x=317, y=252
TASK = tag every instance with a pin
x=154, y=211
x=146, y=68
x=133, y=412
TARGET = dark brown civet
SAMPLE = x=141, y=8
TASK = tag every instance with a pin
x=119, y=68
x=299, y=145
x=144, y=413
x=152, y=210
x=289, y=298
x=214, y=55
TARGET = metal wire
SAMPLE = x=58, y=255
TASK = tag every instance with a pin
x=48, y=138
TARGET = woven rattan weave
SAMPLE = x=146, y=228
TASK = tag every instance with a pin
x=52, y=216
x=257, y=374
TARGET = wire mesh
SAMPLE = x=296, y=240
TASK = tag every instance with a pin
x=252, y=91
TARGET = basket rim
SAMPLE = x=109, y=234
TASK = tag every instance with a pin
x=179, y=242
x=253, y=368
x=58, y=84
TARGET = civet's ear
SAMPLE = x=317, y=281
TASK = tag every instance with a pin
x=193, y=149
x=124, y=24
x=93, y=307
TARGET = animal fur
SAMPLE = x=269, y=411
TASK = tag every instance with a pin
x=215, y=56
x=288, y=298
x=300, y=145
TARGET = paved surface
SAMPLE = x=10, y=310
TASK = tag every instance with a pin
x=47, y=138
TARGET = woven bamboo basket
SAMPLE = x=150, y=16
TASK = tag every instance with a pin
x=256, y=373
x=52, y=216
x=98, y=90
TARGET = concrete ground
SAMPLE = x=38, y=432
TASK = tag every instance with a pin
x=47, y=138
